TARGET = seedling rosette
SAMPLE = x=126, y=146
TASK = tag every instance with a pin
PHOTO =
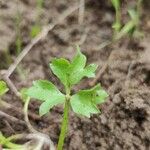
x=70, y=73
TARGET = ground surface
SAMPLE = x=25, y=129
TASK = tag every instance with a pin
x=124, y=123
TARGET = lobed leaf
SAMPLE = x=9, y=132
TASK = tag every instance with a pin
x=70, y=73
x=46, y=92
x=85, y=101
x=89, y=71
x=78, y=62
x=60, y=68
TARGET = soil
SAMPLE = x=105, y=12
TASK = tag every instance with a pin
x=124, y=122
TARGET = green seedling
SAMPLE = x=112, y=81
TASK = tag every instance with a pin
x=7, y=60
x=139, y=6
x=6, y=142
x=35, y=30
x=18, y=32
x=117, y=24
x=26, y=99
x=131, y=28
x=40, y=5
x=70, y=73
x=19, y=42
x=3, y=88
x=7, y=57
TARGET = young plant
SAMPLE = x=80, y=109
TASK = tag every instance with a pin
x=18, y=31
x=6, y=142
x=19, y=41
x=117, y=24
x=39, y=7
x=6, y=57
x=3, y=88
x=35, y=140
x=70, y=73
x=35, y=30
x=131, y=28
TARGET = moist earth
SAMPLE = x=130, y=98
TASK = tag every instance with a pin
x=124, y=122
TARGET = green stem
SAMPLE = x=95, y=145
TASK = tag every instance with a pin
x=118, y=20
x=6, y=143
x=26, y=116
x=13, y=146
x=64, y=126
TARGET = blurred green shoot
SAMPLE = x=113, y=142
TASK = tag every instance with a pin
x=35, y=30
x=7, y=143
x=7, y=60
x=40, y=4
x=3, y=88
x=18, y=31
x=117, y=24
x=131, y=28
x=19, y=42
x=139, y=6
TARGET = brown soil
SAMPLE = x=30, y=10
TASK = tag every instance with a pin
x=124, y=123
